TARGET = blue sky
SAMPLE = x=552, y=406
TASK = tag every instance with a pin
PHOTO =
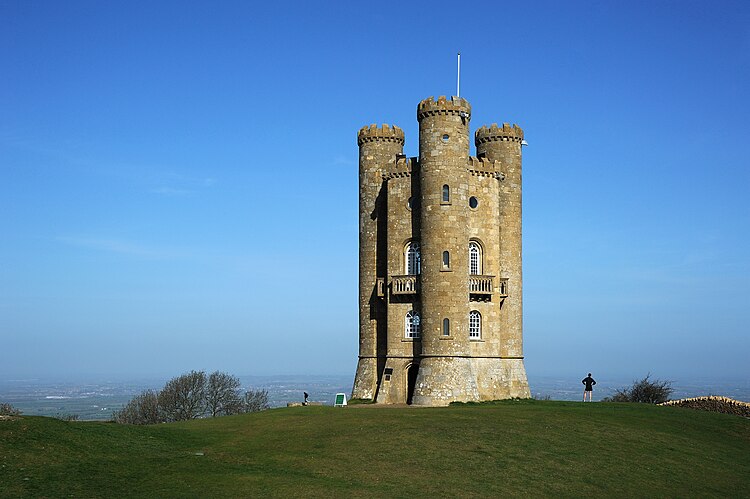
x=178, y=181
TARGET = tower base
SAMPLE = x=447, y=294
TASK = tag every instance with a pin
x=500, y=378
x=442, y=380
x=366, y=379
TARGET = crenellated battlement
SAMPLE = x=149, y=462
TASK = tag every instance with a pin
x=484, y=167
x=506, y=132
x=403, y=167
x=385, y=133
x=443, y=106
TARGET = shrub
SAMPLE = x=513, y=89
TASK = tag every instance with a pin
x=644, y=391
x=8, y=410
x=142, y=409
x=189, y=396
x=184, y=397
x=223, y=396
x=255, y=401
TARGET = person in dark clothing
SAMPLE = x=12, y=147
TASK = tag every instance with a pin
x=589, y=382
x=305, y=402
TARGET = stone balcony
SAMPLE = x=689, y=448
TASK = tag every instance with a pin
x=404, y=285
x=479, y=285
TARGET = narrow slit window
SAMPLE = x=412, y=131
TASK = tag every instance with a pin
x=446, y=260
x=446, y=194
x=412, y=259
x=446, y=327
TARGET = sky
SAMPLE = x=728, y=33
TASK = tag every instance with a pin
x=178, y=180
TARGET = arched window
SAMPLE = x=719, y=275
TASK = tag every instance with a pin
x=446, y=327
x=411, y=324
x=475, y=325
x=446, y=260
x=412, y=260
x=446, y=194
x=475, y=258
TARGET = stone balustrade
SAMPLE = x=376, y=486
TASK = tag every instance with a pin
x=480, y=284
x=404, y=285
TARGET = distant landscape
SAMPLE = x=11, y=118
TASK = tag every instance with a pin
x=95, y=400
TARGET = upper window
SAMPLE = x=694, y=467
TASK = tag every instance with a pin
x=475, y=325
x=446, y=194
x=412, y=261
x=411, y=325
x=446, y=327
x=446, y=260
x=473, y=202
x=475, y=258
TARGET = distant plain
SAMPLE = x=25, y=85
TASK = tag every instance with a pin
x=96, y=399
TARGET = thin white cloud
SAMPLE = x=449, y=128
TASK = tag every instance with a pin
x=183, y=185
x=171, y=191
x=121, y=247
x=343, y=160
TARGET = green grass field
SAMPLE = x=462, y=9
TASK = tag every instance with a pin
x=513, y=448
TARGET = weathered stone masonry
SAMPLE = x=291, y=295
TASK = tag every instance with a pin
x=440, y=262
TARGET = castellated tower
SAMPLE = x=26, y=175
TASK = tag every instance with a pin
x=440, y=262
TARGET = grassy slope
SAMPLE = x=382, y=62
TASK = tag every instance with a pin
x=510, y=448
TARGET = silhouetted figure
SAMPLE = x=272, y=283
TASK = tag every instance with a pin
x=589, y=388
x=305, y=402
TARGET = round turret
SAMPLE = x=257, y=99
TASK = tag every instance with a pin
x=379, y=148
x=445, y=370
x=443, y=106
x=503, y=144
x=386, y=133
x=494, y=133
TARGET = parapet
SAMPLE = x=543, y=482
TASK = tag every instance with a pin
x=403, y=167
x=443, y=106
x=484, y=167
x=386, y=133
x=496, y=133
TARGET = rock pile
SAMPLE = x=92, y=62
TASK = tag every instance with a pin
x=713, y=403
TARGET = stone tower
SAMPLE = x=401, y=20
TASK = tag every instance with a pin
x=440, y=262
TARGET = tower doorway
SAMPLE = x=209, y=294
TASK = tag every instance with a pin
x=411, y=381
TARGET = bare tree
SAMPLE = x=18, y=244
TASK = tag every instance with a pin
x=644, y=390
x=184, y=397
x=8, y=410
x=142, y=409
x=255, y=401
x=223, y=394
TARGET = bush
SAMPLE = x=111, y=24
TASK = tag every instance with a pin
x=223, y=395
x=644, y=391
x=184, y=397
x=255, y=401
x=8, y=410
x=142, y=409
x=190, y=396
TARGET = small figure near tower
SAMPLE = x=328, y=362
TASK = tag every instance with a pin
x=588, y=388
x=440, y=262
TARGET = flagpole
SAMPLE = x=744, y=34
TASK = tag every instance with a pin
x=458, y=77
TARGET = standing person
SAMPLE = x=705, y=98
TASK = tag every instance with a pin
x=589, y=382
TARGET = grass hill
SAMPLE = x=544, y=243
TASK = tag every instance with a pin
x=512, y=448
